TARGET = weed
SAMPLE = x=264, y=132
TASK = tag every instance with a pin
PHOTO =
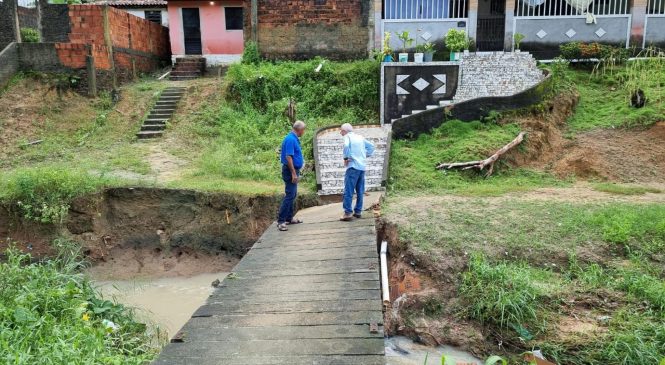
x=251, y=55
x=50, y=314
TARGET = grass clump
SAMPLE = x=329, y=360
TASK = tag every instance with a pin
x=413, y=161
x=624, y=189
x=43, y=194
x=503, y=294
x=50, y=314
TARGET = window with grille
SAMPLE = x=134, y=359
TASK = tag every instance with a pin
x=154, y=16
x=233, y=17
x=656, y=7
x=536, y=8
x=424, y=9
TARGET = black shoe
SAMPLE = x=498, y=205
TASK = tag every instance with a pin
x=357, y=215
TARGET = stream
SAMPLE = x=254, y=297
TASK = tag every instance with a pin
x=169, y=302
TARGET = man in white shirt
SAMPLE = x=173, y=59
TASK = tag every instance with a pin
x=356, y=152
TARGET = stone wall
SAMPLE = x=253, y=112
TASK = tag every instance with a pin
x=8, y=23
x=55, y=22
x=8, y=63
x=303, y=29
x=484, y=74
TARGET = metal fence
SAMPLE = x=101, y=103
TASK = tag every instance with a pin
x=424, y=9
x=559, y=8
x=656, y=7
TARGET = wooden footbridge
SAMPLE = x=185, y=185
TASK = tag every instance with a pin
x=307, y=296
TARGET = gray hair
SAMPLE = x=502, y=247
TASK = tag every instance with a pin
x=347, y=127
x=299, y=125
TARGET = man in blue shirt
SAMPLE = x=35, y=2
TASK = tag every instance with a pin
x=292, y=161
x=356, y=151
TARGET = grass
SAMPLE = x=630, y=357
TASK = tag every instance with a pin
x=412, y=162
x=530, y=262
x=44, y=194
x=605, y=103
x=620, y=189
x=50, y=314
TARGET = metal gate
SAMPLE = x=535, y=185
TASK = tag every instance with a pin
x=490, y=34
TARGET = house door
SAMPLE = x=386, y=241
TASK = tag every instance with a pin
x=191, y=27
x=491, y=25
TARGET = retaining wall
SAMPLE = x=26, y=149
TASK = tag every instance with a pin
x=8, y=63
x=8, y=23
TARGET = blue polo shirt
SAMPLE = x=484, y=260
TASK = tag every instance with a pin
x=291, y=147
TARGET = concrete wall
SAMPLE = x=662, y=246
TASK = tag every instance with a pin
x=219, y=45
x=8, y=23
x=654, y=33
x=609, y=30
x=39, y=57
x=436, y=28
x=8, y=63
x=54, y=22
x=303, y=29
x=28, y=17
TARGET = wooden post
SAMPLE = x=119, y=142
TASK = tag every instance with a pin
x=638, y=10
x=108, y=42
x=92, y=73
x=255, y=20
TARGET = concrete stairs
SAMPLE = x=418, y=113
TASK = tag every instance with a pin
x=188, y=68
x=155, y=123
x=329, y=159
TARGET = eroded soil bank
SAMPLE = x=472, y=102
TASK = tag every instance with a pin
x=155, y=224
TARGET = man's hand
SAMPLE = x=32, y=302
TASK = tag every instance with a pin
x=346, y=162
x=294, y=178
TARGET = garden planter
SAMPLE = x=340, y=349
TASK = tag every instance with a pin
x=418, y=57
x=388, y=58
x=403, y=57
x=429, y=56
x=454, y=56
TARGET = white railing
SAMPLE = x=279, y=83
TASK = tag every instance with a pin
x=560, y=8
x=424, y=9
x=656, y=7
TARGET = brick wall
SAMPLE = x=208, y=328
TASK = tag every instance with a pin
x=28, y=17
x=7, y=23
x=302, y=29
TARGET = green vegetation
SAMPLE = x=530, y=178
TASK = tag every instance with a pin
x=251, y=55
x=531, y=264
x=50, y=314
x=624, y=189
x=413, y=161
x=29, y=35
x=43, y=194
x=240, y=131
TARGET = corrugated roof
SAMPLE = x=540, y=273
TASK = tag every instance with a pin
x=133, y=3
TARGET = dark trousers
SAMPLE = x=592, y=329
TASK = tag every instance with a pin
x=287, y=209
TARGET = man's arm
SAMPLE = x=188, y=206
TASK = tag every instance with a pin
x=347, y=151
x=294, y=175
x=369, y=148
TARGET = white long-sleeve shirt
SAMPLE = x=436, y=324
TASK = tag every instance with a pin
x=357, y=149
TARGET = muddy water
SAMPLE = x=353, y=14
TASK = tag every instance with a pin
x=165, y=302
x=402, y=351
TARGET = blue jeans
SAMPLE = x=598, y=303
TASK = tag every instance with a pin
x=287, y=209
x=354, y=180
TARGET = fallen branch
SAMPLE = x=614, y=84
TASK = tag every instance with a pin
x=480, y=165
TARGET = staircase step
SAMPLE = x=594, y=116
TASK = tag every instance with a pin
x=430, y=107
x=416, y=111
x=149, y=134
x=153, y=127
x=168, y=108
x=182, y=78
x=154, y=122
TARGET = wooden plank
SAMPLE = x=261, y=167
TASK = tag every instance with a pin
x=297, y=256
x=313, y=245
x=359, y=346
x=355, y=263
x=295, y=287
x=239, y=279
x=278, y=333
x=277, y=360
x=321, y=306
x=298, y=297
x=288, y=319
x=311, y=233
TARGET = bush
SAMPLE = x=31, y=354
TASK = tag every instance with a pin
x=51, y=314
x=29, y=35
x=585, y=51
x=44, y=194
x=251, y=55
x=456, y=40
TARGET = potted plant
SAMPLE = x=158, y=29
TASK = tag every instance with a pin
x=428, y=49
x=406, y=41
x=518, y=38
x=419, y=56
x=456, y=42
x=387, y=52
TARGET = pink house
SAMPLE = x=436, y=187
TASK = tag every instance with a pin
x=212, y=29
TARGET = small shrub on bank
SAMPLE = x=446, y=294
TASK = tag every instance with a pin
x=50, y=314
x=30, y=35
x=44, y=194
x=251, y=55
